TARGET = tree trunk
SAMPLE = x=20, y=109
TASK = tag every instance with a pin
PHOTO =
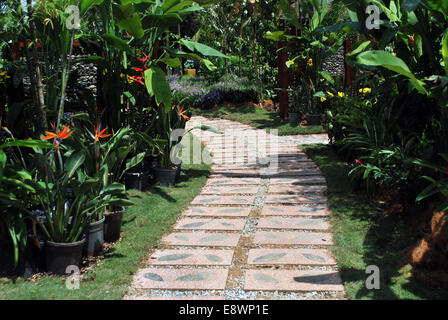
x=36, y=77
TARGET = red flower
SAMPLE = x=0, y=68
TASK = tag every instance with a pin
x=411, y=41
x=182, y=113
x=138, y=69
x=57, y=136
x=100, y=134
x=358, y=162
x=146, y=58
x=137, y=79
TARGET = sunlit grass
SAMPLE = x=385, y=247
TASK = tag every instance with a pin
x=364, y=236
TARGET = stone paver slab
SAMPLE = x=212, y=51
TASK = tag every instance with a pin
x=292, y=238
x=295, y=211
x=286, y=189
x=294, y=180
x=293, y=280
x=169, y=298
x=235, y=173
x=233, y=181
x=210, y=224
x=292, y=223
x=218, y=211
x=192, y=257
x=202, y=239
x=296, y=165
x=222, y=190
x=289, y=172
x=178, y=279
x=290, y=256
x=223, y=200
x=292, y=199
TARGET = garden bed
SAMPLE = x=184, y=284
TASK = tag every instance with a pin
x=364, y=236
x=144, y=223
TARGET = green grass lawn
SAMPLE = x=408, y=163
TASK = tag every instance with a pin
x=364, y=236
x=152, y=215
x=259, y=118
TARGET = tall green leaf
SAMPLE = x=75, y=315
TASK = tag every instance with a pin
x=158, y=86
x=202, y=49
x=445, y=51
x=74, y=162
x=387, y=60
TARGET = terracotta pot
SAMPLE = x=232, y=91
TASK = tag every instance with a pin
x=191, y=72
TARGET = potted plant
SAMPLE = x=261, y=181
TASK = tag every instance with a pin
x=107, y=161
x=298, y=101
x=170, y=165
x=190, y=68
x=107, y=215
x=64, y=199
x=16, y=190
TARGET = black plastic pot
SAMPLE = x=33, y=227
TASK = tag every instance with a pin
x=7, y=258
x=165, y=177
x=61, y=255
x=136, y=180
x=313, y=119
x=178, y=171
x=294, y=117
x=95, y=238
x=112, y=225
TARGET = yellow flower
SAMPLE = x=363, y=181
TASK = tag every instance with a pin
x=330, y=94
x=341, y=94
x=365, y=90
x=394, y=54
x=322, y=99
x=130, y=79
x=3, y=76
x=310, y=62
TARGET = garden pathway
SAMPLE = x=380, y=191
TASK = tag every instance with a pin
x=258, y=230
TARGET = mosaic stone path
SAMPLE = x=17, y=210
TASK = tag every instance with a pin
x=258, y=230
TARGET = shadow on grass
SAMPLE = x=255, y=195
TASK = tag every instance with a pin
x=364, y=236
x=186, y=176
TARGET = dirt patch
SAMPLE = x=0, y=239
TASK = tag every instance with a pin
x=429, y=256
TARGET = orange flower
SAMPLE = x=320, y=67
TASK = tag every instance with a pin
x=99, y=134
x=182, y=114
x=61, y=135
